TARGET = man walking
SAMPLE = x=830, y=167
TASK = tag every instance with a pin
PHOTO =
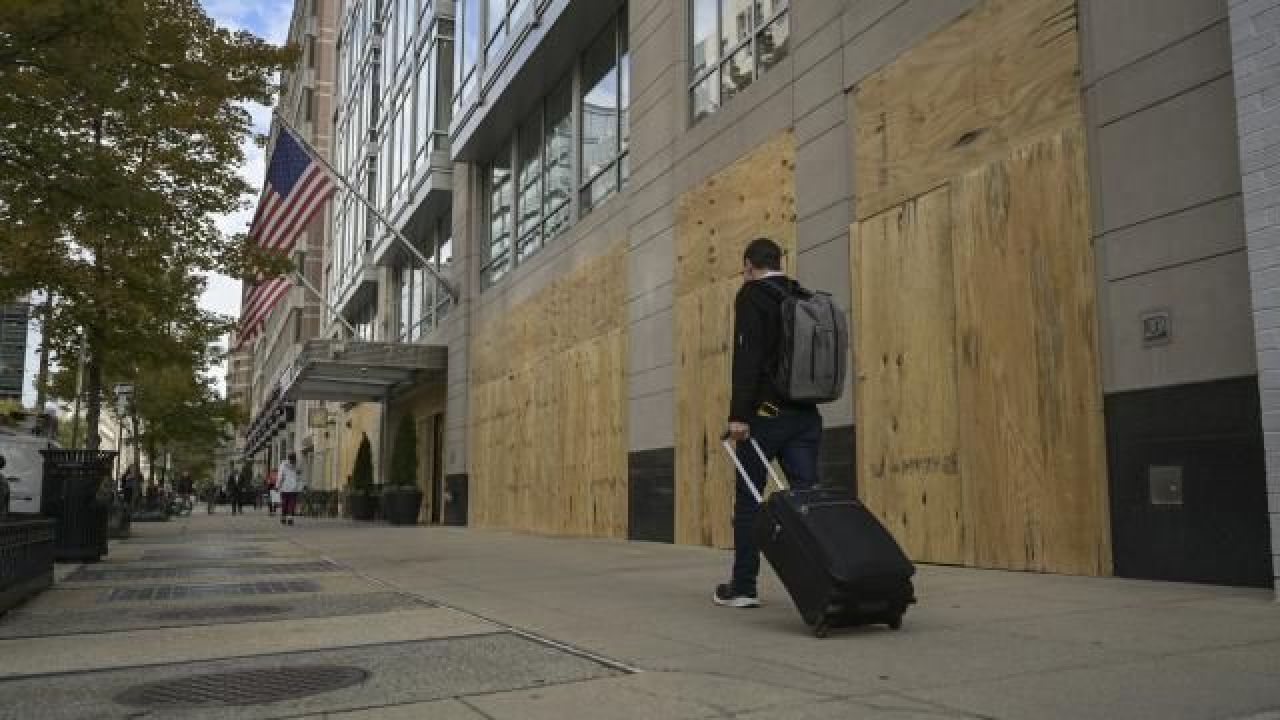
x=290, y=485
x=235, y=491
x=788, y=431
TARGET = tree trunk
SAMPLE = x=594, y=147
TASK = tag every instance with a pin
x=43, y=382
x=93, y=387
x=151, y=461
x=94, y=332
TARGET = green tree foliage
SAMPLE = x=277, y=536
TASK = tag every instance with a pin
x=362, y=473
x=404, y=458
x=120, y=139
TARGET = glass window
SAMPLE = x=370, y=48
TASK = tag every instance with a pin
x=772, y=44
x=736, y=21
x=500, y=201
x=557, y=172
x=497, y=24
x=753, y=37
x=624, y=85
x=406, y=136
x=704, y=51
x=736, y=74
x=599, y=105
x=444, y=253
x=404, y=282
x=444, y=86
x=706, y=96
x=529, y=147
x=423, y=139
x=469, y=45
x=604, y=121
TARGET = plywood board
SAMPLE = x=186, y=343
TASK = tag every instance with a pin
x=754, y=197
x=908, y=444
x=1001, y=75
x=1028, y=367
x=970, y=154
x=547, y=425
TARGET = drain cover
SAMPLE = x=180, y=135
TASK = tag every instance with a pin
x=245, y=687
x=218, y=612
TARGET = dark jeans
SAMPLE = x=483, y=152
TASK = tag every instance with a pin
x=792, y=438
x=288, y=504
x=237, y=503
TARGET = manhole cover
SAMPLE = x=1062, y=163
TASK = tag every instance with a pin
x=245, y=687
x=218, y=612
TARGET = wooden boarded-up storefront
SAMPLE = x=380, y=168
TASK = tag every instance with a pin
x=548, y=392
x=714, y=221
x=978, y=403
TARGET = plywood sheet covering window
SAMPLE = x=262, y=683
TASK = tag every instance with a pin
x=548, y=393
x=1002, y=74
x=753, y=197
x=909, y=448
x=978, y=402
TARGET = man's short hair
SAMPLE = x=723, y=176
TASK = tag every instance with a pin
x=764, y=254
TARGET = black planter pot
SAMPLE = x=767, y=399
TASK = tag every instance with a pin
x=363, y=507
x=401, y=506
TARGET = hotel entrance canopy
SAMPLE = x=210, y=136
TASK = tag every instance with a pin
x=357, y=371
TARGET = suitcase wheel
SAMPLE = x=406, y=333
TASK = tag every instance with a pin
x=895, y=622
x=822, y=629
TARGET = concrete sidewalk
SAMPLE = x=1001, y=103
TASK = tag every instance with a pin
x=979, y=644
x=460, y=623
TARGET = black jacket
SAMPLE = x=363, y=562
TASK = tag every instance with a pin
x=756, y=339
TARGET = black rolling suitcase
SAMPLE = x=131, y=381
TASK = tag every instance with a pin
x=838, y=563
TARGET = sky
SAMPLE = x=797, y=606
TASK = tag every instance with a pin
x=268, y=19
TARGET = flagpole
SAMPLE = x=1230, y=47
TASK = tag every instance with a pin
x=307, y=284
x=417, y=254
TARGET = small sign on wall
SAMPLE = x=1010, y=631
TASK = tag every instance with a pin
x=1166, y=484
x=1157, y=328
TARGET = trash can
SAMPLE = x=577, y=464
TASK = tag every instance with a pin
x=73, y=495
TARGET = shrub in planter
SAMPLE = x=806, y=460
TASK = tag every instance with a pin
x=401, y=498
x=360, y=496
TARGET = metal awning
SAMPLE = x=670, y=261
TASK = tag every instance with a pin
x=357, y=371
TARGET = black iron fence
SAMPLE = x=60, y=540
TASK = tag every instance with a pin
x=26, y=559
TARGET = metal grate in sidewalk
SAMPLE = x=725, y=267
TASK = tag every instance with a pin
x=98, y=574
x=188, y=592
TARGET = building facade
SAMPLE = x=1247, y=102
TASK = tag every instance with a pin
x=1023, y=406
x=15, y=319
x=259, y=369
x=394, y=79
x=1035, y=213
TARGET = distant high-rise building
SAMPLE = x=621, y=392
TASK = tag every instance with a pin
x=14, y=319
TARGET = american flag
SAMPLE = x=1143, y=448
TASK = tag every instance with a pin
x=296, y=189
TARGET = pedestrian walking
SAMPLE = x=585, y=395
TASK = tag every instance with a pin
x=787, y=430
x=235, y=493
x=273, y=493
x=290, y=484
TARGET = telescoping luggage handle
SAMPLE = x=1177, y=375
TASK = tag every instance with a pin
x=733, y=455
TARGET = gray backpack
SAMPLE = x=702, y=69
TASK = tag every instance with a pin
x=813, y=356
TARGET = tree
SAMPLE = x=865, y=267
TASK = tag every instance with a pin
x=121, y=139
x=404, y=458
x=362, y=473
